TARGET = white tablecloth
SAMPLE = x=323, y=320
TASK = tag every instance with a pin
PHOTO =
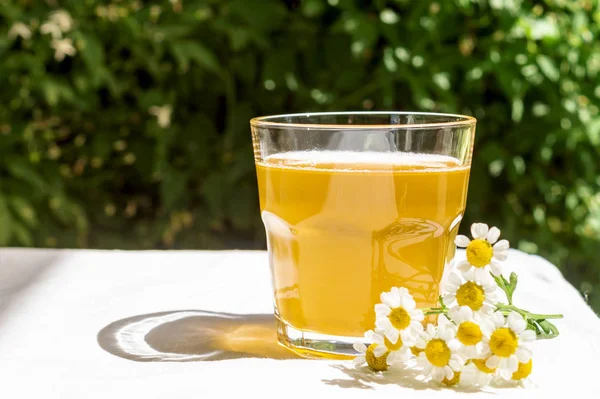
x=197, y=324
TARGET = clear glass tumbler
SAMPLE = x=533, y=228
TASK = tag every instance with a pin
x=354, y=204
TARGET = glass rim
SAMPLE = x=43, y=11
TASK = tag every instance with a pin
x=266, y=121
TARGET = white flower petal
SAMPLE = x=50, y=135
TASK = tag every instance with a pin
x=504, y=374
x=447, y=334
x=455, y=279
x=388, y=299
x=402, y=355
x=408, y=303
x=427, y=367
x=481, y=273
x=394, y=301
x=501, y=245
x=391, y=358
x=443, y=321
x=462, y=241
x=392, y=334
x=486, y=308
x=471, y=351
x=486, y=325
x=449, y=298
x=500, y=255
x=360, y=347
x=484, y=379
x=485, y=352
x=417, y=315
x=422, y=360
x=438, y=373
x=369, y=335
x=383, y=323
x=378, y=339
x=527, y=336
x=516, y=322
x=513, y=364
x=492, y=362
x=379, y=350
x=420, y=343
x=498, y=319
x=430, y=330
x=463, y=267
x=359, y=360
x=495, y=268
x=493, y=235
x=468, y=377
x=523, y=354
x=416, y=327
x=382, y=309
x=449, y=373
x=479, y=230
x=453, y=344
x=456, y=363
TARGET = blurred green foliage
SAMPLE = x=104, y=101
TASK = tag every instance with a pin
x=129, y=127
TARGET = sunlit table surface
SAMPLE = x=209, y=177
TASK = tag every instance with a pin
x=198, y=324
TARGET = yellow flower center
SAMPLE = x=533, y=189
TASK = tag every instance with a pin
x=469, y=333
x=470, y=294
x=416, y=351
x=393, y=347
x=523, y=371
x=479, y=253
x=480, y=364
x=399, y=318
x=374, y=362
x=453, y=381
x=503, y=342
x=437, y=352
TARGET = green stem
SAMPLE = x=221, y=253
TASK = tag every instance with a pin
x=511, y=308
x=500, y=282
x=432, y=311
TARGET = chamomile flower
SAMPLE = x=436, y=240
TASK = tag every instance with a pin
x=397, y=315
x=374, y=355
x=452, y=381
x=398, y=351
x=508, y=345
x=475, y=291
x=440, y=357
x=476, y=373
x=483, y=251
x=523, y=371
x=470, y=330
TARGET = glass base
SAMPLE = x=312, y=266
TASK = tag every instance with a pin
x=314, y=345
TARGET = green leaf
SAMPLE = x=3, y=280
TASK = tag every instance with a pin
x=92, y=52
x=22, y=235
x=550, y=330
x=6, y=222
x=21, y=169
x=517, y=110
x=172, y=189
x=185, y=51
x=24, y=209
x=54, y=90
x=548, y=68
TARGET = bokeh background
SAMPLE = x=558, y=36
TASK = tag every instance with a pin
x=124, y=124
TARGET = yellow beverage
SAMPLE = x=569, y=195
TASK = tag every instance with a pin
x=342, y=227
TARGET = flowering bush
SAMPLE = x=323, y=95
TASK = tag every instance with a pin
x=125, y=122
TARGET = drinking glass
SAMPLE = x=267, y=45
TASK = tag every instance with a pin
x=354, y=204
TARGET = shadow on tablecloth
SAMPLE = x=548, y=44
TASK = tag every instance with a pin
x=20, y=268
x=193, y=335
